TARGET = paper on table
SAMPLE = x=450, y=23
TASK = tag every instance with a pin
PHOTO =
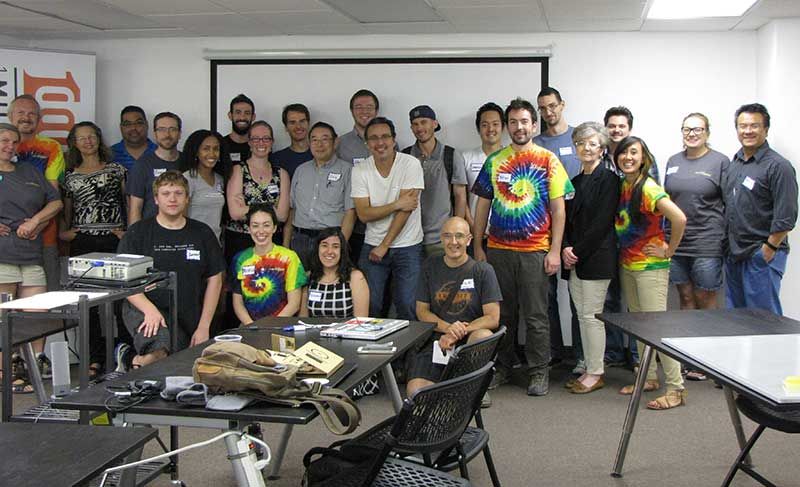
x=50, y=300
x=440, y=356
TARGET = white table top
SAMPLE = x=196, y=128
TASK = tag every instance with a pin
x=758, y=362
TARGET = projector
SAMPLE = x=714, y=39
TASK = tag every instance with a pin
x=113, y=267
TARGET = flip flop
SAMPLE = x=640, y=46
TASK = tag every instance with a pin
x=21, y=386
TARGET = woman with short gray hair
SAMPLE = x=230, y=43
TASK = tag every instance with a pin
x=590, y=249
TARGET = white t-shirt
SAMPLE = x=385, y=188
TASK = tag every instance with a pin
x=366, y=182
x=473, y=162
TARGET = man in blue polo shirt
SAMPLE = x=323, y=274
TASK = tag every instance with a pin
x=134, y=143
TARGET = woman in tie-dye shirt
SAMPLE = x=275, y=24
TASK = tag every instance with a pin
x=266, y=279
x=644, y=254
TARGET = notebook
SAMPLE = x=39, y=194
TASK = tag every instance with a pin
x=364, y=328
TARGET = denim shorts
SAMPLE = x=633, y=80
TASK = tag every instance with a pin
x=704, y=273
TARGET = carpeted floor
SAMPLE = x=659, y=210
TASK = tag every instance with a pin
x=558, y=440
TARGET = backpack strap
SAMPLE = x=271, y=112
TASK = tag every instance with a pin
x=339, y=408
x=448, y=162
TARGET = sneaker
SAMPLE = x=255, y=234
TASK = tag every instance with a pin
x=121, y=353
x=501, y=376
x=539, y=384
x=45, y=367
x=580, y=368
x=486, y=401
x=18, y=370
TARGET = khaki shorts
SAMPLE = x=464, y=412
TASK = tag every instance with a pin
x=25, y=275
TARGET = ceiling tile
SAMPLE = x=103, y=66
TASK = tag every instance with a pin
x=394, y=11
x=594, y=9
x=91, y=12
x=594, y=25
x=777, y=8
x=481, y=3
x=692, y=25
x=352, y=28
x=410, y=28
x=501, y=15
x=151, y=7
x=246, y=6
x=300, y=18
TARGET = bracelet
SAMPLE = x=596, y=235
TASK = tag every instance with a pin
x=769, y=244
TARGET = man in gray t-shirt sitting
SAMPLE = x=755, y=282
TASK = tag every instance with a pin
x=457, y=293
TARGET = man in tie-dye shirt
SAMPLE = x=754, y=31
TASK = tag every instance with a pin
x=525, y=187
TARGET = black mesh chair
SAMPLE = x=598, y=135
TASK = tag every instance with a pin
x=465, y=359
x=432, y=420
x=765, y=417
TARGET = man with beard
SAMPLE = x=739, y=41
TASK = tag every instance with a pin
x=242, y=113
x=134, y=143
x=167, y=127
x=295, y=119
x=525, y=187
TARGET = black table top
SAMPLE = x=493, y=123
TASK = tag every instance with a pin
x=650, y=328
x=46, y=454
x=28, y=330
x=355, y=370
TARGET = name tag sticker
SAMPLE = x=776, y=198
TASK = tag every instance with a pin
x=748, y=183
x=358, y=160
x=565, y=151
x=248, y=270
x=236, y=157
x=159, y=172
x=192, y=254
x=672, y=170
x=315, y=296
x=273, y=189
x=476, y=166
x=334, y=176
x=468, y=284
x=504, y=177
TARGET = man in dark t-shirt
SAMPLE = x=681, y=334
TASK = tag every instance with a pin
x=457, y=293
x=242, y=113
x=179, y=244
x=296, y=119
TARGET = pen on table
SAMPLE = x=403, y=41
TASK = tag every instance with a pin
x=302, y=325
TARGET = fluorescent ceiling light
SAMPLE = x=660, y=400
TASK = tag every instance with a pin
x=696, y=9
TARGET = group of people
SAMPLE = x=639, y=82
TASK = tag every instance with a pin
x=342, y=226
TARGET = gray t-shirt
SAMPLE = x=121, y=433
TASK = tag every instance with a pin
x=476, y=283
x=23, y=193
x=141, y=177
x=435, y=199
x=563, y=148
x=206, y=202
x=321, y=195
x=695, y=185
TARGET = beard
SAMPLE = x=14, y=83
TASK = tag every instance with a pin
x=240, y=131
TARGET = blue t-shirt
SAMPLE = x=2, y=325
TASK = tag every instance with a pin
x=120, y=153
x=563, y=148
x=290, y=160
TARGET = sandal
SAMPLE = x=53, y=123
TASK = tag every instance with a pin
x=671, y=399
x=649, y=385
x=696, y=375
x=21, y=386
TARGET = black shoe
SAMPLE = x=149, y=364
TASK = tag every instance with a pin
x=45, y=367
x=539, y=384
x=501, y=376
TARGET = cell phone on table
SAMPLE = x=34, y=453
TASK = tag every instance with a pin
x=366, y=349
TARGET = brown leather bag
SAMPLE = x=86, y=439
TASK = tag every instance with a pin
x=237, y=367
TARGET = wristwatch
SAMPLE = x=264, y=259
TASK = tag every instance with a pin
x=769, y=244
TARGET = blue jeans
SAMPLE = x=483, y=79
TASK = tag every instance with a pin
x=403, y=264
x=754, y=283
x=704, y=273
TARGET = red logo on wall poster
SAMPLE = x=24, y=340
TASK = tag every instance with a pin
x=57, y=97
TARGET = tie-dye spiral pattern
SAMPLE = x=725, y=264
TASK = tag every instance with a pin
x=633, y=237
x=521, y=185
x=44, y=153
x=265, y=280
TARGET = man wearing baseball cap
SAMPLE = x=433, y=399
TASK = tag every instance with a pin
x=445, y=192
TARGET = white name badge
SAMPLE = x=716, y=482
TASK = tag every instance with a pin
x=248, y=270
x=504, y=177
x=748, y=183
x=159, y=172
x=273, y=189
x=192, y=254
x=334, y=176
x=672, y=170
x=236, y=157
x=476, y=166
x=468, y=284
x=358, y=160
x=565, y=151
x=315, y=296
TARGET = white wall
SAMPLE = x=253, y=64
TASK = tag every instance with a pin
x=778, y=72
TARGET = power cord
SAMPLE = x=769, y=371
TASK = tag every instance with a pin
x=131, y=394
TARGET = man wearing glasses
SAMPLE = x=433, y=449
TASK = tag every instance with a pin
x=760, y=192
x=385, y=191
x=320, y=195
x=141, y=205
x=460, y=295
x=134, y=143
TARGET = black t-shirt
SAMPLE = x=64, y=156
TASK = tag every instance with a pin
x=290, y=160
x=192, y=251
x=238, y=151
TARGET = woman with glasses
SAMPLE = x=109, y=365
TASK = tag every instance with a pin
x=202, y=153
x=694, y=182
x=644, y=255
x=590, y=248
x=253, y=181
x=94, y=189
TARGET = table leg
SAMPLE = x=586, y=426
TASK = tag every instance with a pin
x=391, y=384
x=277, y=453
x=127, y=477
x=34, y=374
x=633, y=410
x=243, y=461
x=174, y=444
x=108, y=327
x=736, y=420
x=5, y=331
